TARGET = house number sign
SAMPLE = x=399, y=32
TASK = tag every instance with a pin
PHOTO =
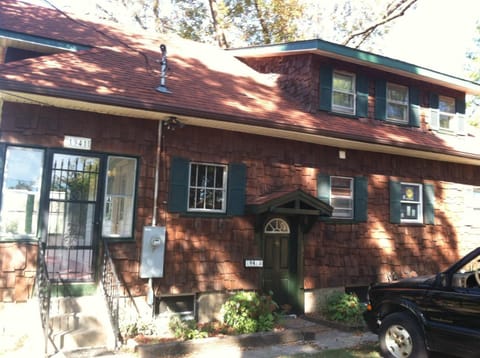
x=77, y=142
x=253, y=263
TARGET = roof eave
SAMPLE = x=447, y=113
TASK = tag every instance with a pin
x=119, y=107
x=359, y=57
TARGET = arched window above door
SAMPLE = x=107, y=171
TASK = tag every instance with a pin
x=277, y=226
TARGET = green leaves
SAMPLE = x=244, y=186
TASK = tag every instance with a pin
x=249, y=312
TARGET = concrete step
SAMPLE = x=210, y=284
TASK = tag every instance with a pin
x=79, y=322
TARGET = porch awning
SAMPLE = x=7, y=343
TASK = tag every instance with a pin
x=296, y=202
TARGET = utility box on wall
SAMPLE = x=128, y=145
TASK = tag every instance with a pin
x=153, y=252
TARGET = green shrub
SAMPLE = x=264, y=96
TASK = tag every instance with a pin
x=248, y=312
x=344, y=307
x=185, y=329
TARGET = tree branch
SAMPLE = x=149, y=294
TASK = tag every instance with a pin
x=388, y=17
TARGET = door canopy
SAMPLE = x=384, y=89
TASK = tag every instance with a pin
x=291, y=203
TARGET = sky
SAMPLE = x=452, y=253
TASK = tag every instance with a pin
x=436, y=35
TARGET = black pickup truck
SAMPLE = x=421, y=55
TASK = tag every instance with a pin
x=414, y=317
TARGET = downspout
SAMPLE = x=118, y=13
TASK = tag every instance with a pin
x=157, y=170
x=151, y=291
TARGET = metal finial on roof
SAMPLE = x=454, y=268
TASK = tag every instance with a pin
x=163, y=88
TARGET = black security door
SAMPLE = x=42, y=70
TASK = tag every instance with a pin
x=71, y=238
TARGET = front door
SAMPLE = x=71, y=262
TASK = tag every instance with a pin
x=276, y=268
x=278, y=271
x=71, y=239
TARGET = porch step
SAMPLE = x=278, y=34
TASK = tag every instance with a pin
x=79, y=322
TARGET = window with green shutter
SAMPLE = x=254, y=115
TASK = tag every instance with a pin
x=343, y=92
x=411, y=203
x=206, y=188
x=347, y=195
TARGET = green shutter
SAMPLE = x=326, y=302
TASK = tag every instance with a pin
x=360, y=193
x=326, y=77
x=434, y=101
x=428, y=204
x=380, y=99
x=178, y=193
x=395, y=197
x=460, y=105
x=323, y=188
x=362, y=95
x=237, y=178
x=414, y=99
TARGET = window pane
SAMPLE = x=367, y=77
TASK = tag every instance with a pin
x=22, y=183
x=446, y=104
x=409, y=211
x=410, y=192
x=343, y=99
x=342, y=197
x=397, y=94
x=119, y=197
x=343, y=82
x=445, y=121
x=396, y=111
x=207, y=187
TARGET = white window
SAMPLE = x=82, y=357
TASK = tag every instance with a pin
x=119, y=197
x=22, y=181
x=472, y=206
x=446, y=106
x=341, y=197
x=411, y=203
x=207, y=187
x=343, y=92
x=397, y=103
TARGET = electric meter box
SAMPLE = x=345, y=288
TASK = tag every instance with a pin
x=153, y=252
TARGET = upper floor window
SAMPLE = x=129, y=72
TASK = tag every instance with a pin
x=207, y=188
x=22, y=181
x=343, y=92
x=341, y=197
x=397, y=103
x=446, y=106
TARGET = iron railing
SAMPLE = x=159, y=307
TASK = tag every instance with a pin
x=119, y=300
x=44, y=292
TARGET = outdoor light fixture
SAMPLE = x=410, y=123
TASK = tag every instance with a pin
x=172, y=123
x=342, y=154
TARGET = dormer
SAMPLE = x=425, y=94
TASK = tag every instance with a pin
x=16, y=46
x=334, y=80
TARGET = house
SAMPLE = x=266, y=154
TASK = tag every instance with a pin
x=295, y=168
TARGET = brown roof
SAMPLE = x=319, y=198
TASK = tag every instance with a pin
x=123, y=69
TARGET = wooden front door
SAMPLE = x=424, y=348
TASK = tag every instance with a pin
x=276, y=273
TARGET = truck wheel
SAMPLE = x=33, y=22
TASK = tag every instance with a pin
x=400, y=337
